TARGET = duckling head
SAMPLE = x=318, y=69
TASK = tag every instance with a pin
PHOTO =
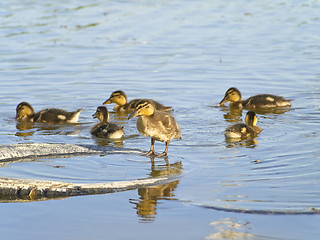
x=118, y=97
x=251, y=118
x=23, y=111
x=102, y=114
x=232, y=95
x=143, y=108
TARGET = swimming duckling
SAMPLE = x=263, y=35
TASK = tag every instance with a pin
x=262, y=101
x=158, y=125
x=122, y=106
x=105, y=129
x=25, y=113
x=244, y=130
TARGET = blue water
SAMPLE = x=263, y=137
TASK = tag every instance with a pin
x=184, y=54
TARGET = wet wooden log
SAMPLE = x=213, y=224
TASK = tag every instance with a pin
x=55, y=150
x=16, y=189
x=28, y=189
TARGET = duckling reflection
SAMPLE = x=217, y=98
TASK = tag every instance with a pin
x=25, y=129
x=146, y=205
x=109, y=142
x=263, y=102
x=248, y=143
x=232, y=114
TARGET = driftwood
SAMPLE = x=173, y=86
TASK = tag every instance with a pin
x=15, y=189
x=28, y=189
x=55, y=150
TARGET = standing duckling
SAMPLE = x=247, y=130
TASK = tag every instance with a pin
x=158, y=125
x=25, y=113
x=105, y=129
x=123, y=106
x=262, y=101
x=244, y=130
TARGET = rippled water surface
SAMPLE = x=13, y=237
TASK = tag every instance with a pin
x=185, y=54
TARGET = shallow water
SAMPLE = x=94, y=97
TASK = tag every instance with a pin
x=185, y=55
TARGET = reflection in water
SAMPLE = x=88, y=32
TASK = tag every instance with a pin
x=235, y=114
x=271, y=110
x=250, y=143
x=24, y=129
x=106, y=142
x=146, y=205
x=232, y=114
x=27, y=129
x=228, y=228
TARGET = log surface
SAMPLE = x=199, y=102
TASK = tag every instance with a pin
x=16, y=189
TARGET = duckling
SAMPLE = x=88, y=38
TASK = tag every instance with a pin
x=158, y=125
x=262, y=101
x=25, y=113
x=105, y=129
x=122, y=106
x=244, y=130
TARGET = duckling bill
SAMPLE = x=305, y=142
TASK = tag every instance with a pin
x=158, y=125
x=246, y=130
x=262, y=101
x=105, y=129
x=25, y=113
x=123, y=106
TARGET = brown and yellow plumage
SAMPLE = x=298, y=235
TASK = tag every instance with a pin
x=25, y=113
x=105, y=129
x=158, y=125
x=262, y=101
x=123, y=106
x=244, y=130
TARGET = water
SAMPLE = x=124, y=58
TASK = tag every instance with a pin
x=184, y=54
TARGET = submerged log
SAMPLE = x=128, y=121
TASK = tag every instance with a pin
x=55, y=150
x=28, y=189
x=16, y=189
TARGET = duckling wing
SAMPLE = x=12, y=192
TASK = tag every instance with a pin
x=266, y=101
x=169, y=125
x=240, y=130
x=54, y=115
x=107, y=130
x=159, y=106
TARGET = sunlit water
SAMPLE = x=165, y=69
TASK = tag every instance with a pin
x=184, y=54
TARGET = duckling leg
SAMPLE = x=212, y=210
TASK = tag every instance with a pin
x=151, y=152
x=165, y=151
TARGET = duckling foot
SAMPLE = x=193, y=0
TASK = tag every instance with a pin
x=165, y=151
x=162, y=154
x=151, y=152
